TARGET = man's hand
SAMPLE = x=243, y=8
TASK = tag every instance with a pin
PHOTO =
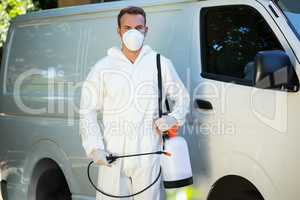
x=166, y=123
x=99, y=157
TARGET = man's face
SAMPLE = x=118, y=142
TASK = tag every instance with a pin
x=131, y=21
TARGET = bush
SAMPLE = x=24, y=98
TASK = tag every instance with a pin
x=9, y=9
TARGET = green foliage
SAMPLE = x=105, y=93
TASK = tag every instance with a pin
x=9, y=9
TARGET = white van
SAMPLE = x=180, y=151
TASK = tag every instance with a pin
x=238, y=58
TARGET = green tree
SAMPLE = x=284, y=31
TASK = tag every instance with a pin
x=9, y=9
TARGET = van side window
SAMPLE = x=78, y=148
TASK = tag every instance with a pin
x=231, y=36
x=43, y=53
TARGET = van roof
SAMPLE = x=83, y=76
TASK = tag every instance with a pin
x=96, y=7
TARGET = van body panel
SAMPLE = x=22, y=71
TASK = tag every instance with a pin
x=261, y=120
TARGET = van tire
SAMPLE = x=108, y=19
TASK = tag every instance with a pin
x=240, y=196
x=233, y=187
x=48, y=182
x=252, y=195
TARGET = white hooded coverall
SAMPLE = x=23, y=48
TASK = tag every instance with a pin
x=126, y=96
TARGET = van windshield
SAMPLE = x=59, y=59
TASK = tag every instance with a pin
x=291, y=9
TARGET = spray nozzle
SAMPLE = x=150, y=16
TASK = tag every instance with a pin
x=110, y=158
x=167, y=153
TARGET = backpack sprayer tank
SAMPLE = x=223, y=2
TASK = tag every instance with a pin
x=176, y=169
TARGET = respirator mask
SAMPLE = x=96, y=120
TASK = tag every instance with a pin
x=133, y=39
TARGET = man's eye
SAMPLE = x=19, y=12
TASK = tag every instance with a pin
x=126, y=28
x=141, y=29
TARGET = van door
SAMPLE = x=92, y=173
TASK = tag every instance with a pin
x=245, y=130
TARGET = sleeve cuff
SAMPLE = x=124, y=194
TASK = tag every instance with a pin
x=90, y=147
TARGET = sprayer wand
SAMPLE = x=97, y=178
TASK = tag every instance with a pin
x=111, y=158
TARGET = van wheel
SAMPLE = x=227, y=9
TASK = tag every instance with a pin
x=249, y=195
x=233, y=187
x=52, y=186
x=239, y=196
x=49, y=183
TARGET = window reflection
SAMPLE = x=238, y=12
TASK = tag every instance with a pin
x=52, y=49
x=233, y=36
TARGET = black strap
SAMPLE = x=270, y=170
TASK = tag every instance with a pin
x=160, y=88
x=167, y=105
x=159, y=83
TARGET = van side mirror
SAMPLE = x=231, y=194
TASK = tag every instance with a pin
x=273, y=70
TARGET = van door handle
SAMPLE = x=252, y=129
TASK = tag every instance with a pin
x=203, y=104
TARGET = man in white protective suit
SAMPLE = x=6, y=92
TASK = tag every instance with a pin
x=122, y=88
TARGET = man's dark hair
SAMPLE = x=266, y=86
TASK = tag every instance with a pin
x=131, y=10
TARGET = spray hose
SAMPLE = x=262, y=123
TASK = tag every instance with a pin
x=112, y=159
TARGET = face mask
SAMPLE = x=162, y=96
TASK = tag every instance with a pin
x=133, y=39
